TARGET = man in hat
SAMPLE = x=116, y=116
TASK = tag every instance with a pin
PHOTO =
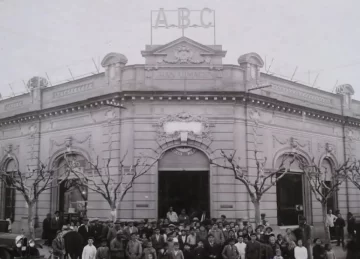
x=133, y=248
x=111, y=233
x=84, y=230
x=253, y=248
x=89, y=251
x=130, y=229
x=105, y=229
x=117, y=248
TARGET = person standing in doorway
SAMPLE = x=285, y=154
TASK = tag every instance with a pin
x=305, y=235
x=330, y=220
x=183, y=217
x=172, y=216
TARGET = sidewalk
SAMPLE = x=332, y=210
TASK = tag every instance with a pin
x=339, y=252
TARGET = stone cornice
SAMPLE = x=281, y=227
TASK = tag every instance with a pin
x=121, y=99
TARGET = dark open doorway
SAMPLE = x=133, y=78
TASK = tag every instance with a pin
x=290, y=200
x=183, y=190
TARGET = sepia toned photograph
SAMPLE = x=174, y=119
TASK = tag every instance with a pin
x=179, y=129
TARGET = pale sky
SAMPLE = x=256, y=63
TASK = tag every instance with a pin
x=48, y=36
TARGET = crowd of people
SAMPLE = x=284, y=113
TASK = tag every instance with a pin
x=183, y=237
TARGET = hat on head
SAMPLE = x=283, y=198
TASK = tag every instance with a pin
x=171, y=225
x=262, y=214
x=195, y=219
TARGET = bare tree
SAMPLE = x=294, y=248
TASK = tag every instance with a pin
x=112, y=188
x=31, y=185
x=354, y=174
x=263, y=180
x=318, y=179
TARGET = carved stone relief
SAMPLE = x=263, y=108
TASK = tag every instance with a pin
x=329, y=148
x=292, y=142
x=68, y=141
x=185, y=55
x=183, y=125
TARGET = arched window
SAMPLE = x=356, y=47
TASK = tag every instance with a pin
x=327, y=165
x=8, y=192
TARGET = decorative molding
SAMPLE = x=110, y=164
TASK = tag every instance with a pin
x=68, y=142
x=304, y=95
x=13, y=106
x=184, y=151
x=329, y=148
x=10, y=149
x=186, y=127
x=184, y=55
x=292, y=142
x=73, y=90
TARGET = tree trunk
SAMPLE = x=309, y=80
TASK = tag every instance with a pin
x=257, y=211
x=113, y=212
x=31, y=207
x=326, y=228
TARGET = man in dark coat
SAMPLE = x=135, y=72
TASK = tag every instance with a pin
x=55, y=224
x=73, y=244
x=157, y=240
x=84, y=231
x=46, y=234
x=304, y=233
x=212, y=249
x=339, y=229
x=253, y=248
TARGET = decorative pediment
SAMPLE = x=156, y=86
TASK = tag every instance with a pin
x=182, y=51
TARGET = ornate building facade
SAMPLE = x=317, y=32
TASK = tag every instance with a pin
x=186, y=105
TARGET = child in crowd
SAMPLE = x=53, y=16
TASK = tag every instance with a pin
x=278, y=254
x=329, y=252
x=89, y=251
x=188, y=254
x=300, y=251
x=149, y=250
x=103, y=251
x=241, y=246
x=177, y=253
x=199, y=252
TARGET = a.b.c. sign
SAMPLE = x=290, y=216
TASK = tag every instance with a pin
x=185, y=18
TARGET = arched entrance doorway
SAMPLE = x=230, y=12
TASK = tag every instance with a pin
x=184, y=181
x=71, y=196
